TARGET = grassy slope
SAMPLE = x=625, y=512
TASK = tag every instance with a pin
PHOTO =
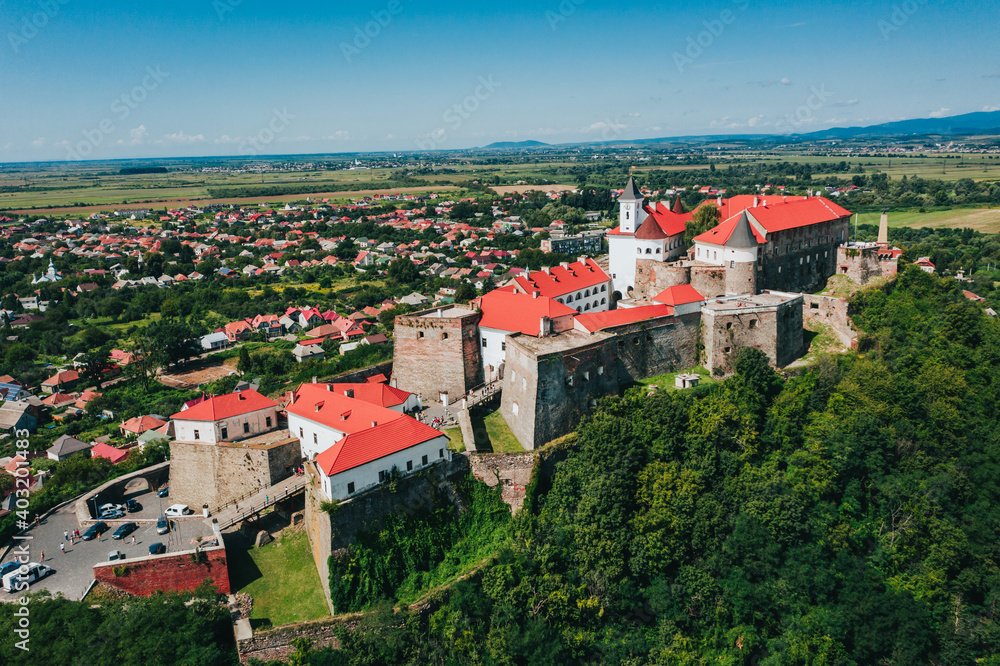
x=282, y=579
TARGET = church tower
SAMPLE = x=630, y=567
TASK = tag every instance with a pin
x=630, y=205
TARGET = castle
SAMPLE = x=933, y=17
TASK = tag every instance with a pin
x=561, y=338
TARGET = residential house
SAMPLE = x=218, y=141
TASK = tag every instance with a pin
x=16, y=416
x=214, y=341
x=66, y=379
x=308, y=352
x=238, y=331
x=140, y=424
x=103, y=450
x=66, y=446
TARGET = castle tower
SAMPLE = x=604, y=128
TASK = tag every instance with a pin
x=741, y=259
x=630, y=205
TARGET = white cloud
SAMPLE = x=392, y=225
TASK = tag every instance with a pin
x=182, y=137
x=390, y=137
x=138, y=135
x=940, y=113
x=634, y=115
x=988, y=109
x=602, y=126
x=225, y=138
x=654, y=128
x=786, y=81
x=339, y=135
x=39, y=142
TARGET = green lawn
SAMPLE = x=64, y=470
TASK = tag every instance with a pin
x=457, y=441
x=501, y=437
x=986, y=220
x=667, y=381
x=282, y=579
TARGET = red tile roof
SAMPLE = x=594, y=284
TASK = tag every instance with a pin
x=141, y=424
x=226, y=406
x=377, y=394
x=367, y=445
x=597, y=321
x=64, y=377
x=335, y=410
x=102, y=450
x=680, y=295
x=510, y=311
x=561, y=281
x=720, y=234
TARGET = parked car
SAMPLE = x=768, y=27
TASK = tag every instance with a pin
x=157, y=549
x=132, y=506
x=111, y=514
x=162, y=527
x=110, y=507
x=116, y=555
x=96, y=530
x=176, y=510
x=13, y=580
x=124, y=531
x=7, y=568
x=163, y=492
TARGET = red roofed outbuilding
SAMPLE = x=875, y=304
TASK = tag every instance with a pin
x=226, y=418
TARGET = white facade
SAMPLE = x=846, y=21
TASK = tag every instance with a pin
x=720, y=255
x=632, y=215
x=493, y=351
x=591, y=299
x=353, y=481
x=314, y=438
x=227, y=430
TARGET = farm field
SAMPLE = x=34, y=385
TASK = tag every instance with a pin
x=985, y=220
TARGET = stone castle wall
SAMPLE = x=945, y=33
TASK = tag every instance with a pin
x=435, y=355
x=775, y=330
x=656, y=347
x=208, y=474
x=834, y=313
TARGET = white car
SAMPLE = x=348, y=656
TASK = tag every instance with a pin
x=176, y=510
x=14, y=581
x=109, y=508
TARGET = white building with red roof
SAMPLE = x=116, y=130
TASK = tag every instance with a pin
x=506, y=312
x=356, y=440
x=226, y=418
x=582, y=285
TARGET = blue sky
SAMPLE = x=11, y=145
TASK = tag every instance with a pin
x=225, y=77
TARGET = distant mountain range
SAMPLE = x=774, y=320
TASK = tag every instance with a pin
x=983, y=122
x=514, y=145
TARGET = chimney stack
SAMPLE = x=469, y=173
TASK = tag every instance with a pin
x=374, y=423
x=756, y=201
x=315, y=380
x=564, y=264
x=546, y=270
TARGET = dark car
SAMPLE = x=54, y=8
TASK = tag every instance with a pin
x=162, y=527
x=157, y=549
x=96, y=530
x=132, y=506
x=124, y=531
x=163, y=493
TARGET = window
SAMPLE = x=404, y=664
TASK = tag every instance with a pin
x=382, y=476
x=301, y=433
x=587, y=294
x=267, y=421
x=753, y=324
x=604, y=288
x=484, y=343
x=586, y=376
x=604, y=301
x=197, y=435
x=503, y=345
x=814, y=306
x=732, y=264
x=225, y=433
x=440, y=453
x=423, y=460
x=420, y=334
x=315, y=439
x=444, y=336
x=514, y=408
x=727, y=350
x=638, y=250
x=409, y=465
x=729, y=326
x=350, y=488
x=600, y=370
x=246, y=427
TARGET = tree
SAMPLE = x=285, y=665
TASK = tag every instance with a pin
x=404, y=271
x=465, y=293
x=245, y=364
x=706, y=217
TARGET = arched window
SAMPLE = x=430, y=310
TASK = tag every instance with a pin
x=638, y=250
x=604, y=288
x=659, y=251
x=649, y=251
x=604, y=301
x=586, y=308
x=579, y=296
x=586, y=294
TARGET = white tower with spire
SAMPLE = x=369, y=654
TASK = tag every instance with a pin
x=630, y=203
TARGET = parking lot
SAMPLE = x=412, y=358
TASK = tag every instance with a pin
x=74, y=568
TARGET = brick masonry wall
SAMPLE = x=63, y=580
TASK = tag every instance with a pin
x=657, y=347
x=276, y=644
x=217, y=475
x=167, y=572
x=512, y=471
x=777, y=331
x=445, y=358
x=709, y=281
x=832, y=312
x=551, y=391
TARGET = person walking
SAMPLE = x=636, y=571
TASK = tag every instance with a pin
x=65, y=535
x=62, y=547
x=42, y=559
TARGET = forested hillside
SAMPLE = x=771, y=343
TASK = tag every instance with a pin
x=848, y=515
